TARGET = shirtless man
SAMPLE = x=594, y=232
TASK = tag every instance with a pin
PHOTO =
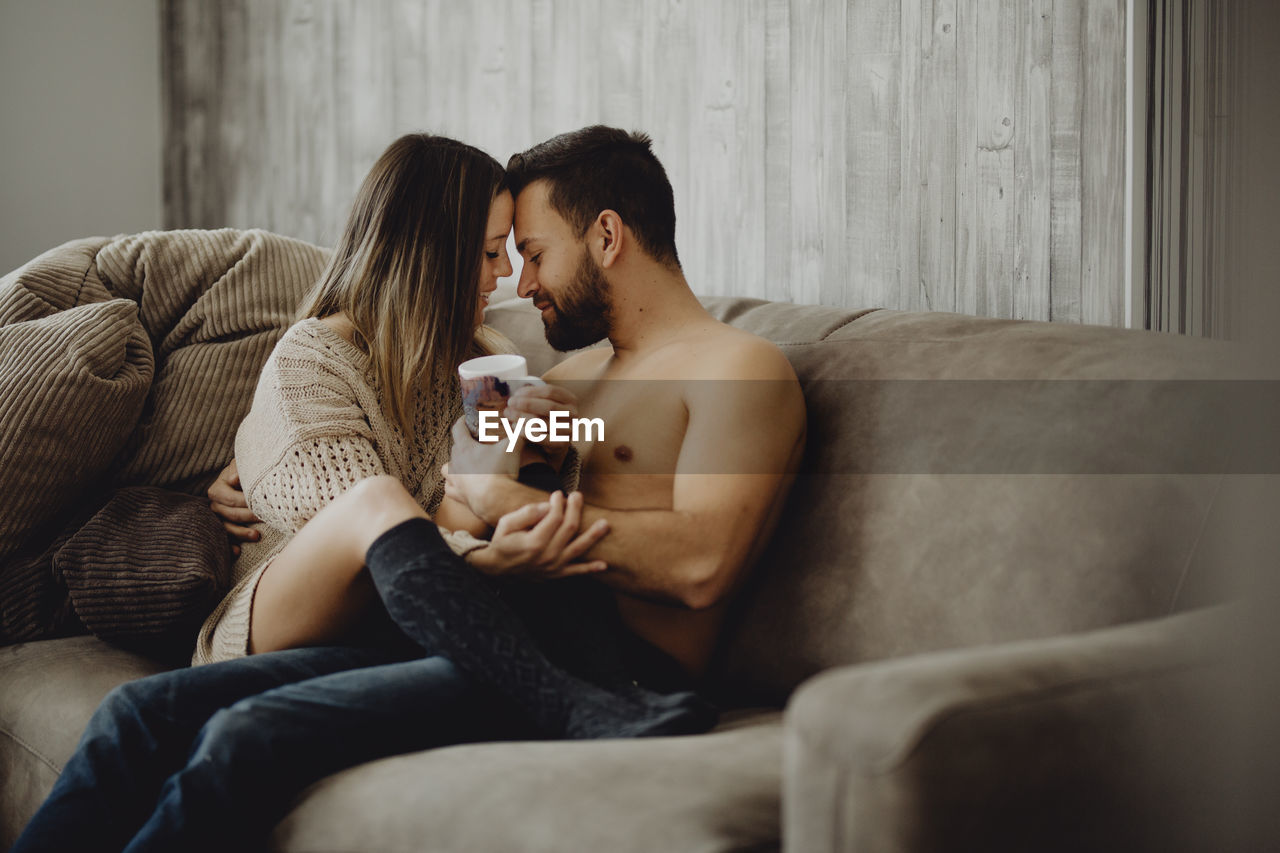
x=704, y=423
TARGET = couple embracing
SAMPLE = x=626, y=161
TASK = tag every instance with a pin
x=384, y=603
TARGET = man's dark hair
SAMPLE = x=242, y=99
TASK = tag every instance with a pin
x=602, y=168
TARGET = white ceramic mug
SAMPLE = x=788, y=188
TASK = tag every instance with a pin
x=488, y=381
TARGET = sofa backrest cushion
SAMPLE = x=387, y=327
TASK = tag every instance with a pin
x=967, y=481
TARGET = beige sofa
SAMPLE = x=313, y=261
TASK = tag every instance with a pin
x=991, y=602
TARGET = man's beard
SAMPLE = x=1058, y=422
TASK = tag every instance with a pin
x=583, y=312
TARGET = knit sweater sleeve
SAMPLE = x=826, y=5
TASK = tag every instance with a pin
x=308, y=437
x=308, y=476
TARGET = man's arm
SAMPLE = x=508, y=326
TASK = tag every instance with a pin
x=228, y=503
x=743, y=441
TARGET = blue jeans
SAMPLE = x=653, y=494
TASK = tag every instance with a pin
x=212, y=757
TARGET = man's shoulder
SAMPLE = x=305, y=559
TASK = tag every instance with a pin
x=722, y=351
x=581, y=365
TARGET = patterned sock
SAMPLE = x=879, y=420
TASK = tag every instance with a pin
x=448, y=608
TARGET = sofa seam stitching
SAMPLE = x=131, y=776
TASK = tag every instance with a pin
x=31, y=749
x=852, y=319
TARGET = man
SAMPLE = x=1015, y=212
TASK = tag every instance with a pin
x=702, y=422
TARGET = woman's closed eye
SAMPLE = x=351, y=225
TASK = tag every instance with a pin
x=493, y=256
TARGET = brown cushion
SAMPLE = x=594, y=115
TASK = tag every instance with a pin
x=61, y=278
x=145, y=571
x=72, y=385
x=214, y=303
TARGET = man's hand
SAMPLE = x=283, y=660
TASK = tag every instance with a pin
x=228, y=503
x=541, y=542
x=538, y=401
x=474, y=468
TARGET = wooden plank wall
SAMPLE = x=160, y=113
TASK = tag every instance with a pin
x=1195, y=123
x=948, y=155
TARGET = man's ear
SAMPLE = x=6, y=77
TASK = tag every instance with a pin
x=610, y=237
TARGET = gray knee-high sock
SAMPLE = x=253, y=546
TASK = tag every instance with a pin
x=450, y=609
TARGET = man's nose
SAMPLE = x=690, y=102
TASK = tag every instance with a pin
x=527, y=285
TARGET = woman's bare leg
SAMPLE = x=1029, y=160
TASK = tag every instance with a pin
x=316, y=590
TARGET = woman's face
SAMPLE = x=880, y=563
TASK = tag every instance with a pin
x=495, y=264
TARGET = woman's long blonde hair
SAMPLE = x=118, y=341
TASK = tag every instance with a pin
x=406, y=271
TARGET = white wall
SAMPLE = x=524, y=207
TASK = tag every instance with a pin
x=79, y=122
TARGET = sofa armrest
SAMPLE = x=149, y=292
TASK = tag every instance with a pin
x=1102, y=740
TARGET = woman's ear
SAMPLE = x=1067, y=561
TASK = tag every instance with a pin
x=612, y=239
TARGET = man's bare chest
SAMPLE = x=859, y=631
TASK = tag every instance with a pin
x=644, y=425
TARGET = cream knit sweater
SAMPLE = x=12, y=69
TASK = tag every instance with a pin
x=315, y=430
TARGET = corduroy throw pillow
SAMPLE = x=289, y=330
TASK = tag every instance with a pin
x=146, y=570
x=215, y=304
x=72, y=385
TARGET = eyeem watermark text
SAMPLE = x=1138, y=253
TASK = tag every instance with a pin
x=558, y=427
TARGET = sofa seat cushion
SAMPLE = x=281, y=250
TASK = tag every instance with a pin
x=714, y=792
x=48, y=690
x=718, y=791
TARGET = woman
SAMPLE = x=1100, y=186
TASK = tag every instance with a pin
x=356, y=400
x=366, y=384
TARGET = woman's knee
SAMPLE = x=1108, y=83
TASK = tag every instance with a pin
x=134, y=706
x=133, y=699
x=122, y=704
x=230, y=731
x=383, y=501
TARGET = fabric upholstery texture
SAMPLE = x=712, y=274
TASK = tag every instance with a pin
x=126, y=361
x=48, y=691
x=933, y=511
x=72, y=385
x=146, y=569
x=61, y=278
x=1111, y=739
x=717, y=791
x=214, y=304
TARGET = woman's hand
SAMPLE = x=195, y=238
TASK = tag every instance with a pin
x=541, y=541
x=228, y=503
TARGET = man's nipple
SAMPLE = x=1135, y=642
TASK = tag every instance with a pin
x=622, y=453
